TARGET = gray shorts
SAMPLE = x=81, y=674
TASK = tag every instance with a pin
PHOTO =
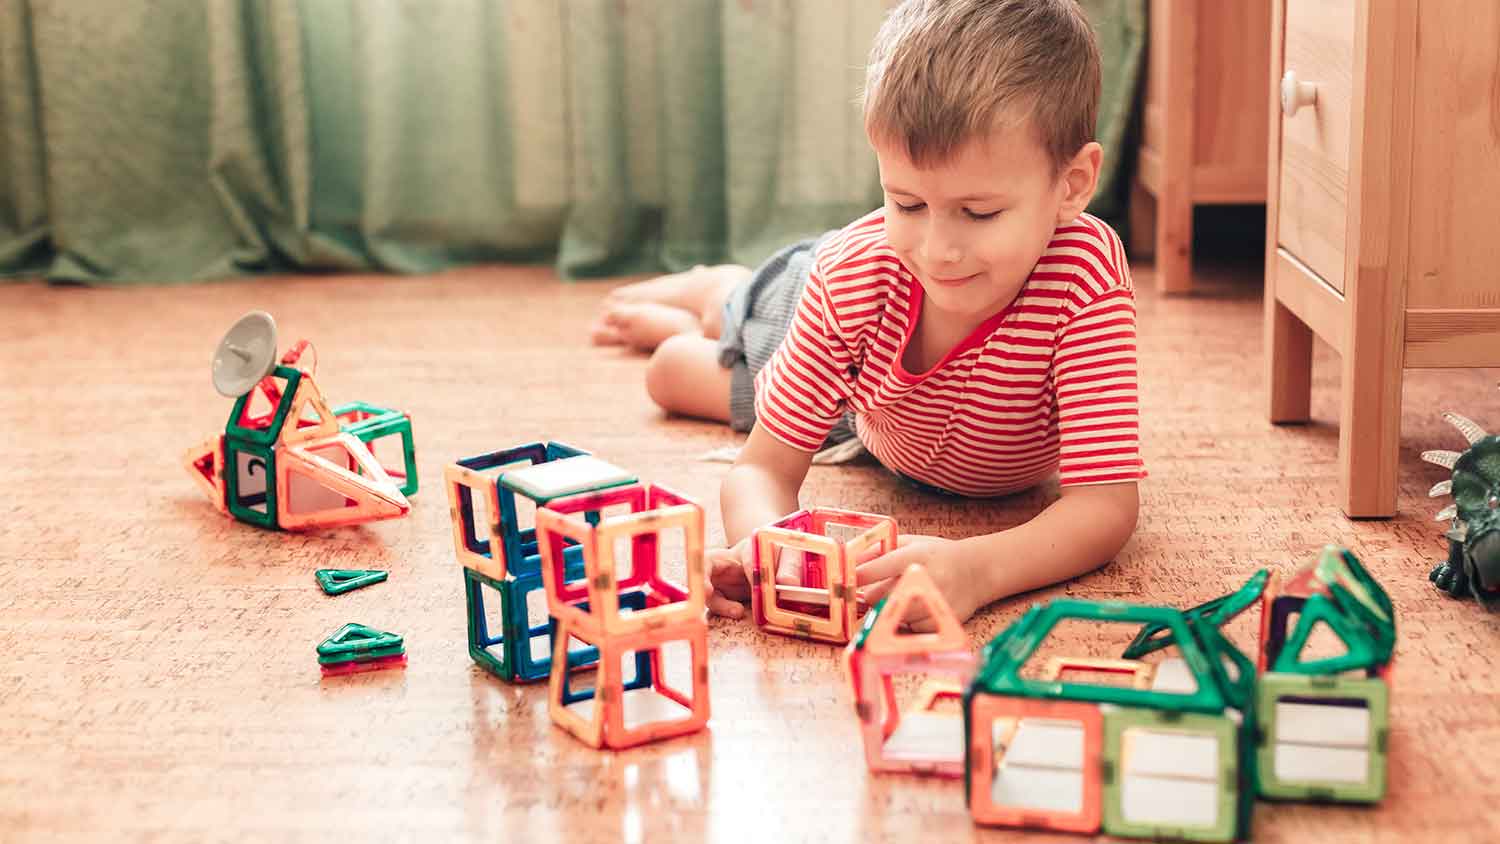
x=756, y=318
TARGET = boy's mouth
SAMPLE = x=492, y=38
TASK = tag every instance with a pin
x=955, y=282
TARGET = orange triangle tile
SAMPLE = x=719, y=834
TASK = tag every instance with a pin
x=310, y=418
x=915, y=586
x=205, y=464
x=343, y=497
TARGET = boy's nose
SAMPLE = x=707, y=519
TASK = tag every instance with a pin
x=943, y=250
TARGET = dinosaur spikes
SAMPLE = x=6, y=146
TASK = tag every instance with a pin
x=1440, y=489
x=1471, y=431
x=1458, y=532
x=1446, y=459
x=1446, y=513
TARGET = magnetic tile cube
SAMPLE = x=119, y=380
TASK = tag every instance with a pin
x=1034, y=763
x=371, y=425
x=519, y=651
x=592, y=599
x=542, y=471
x=824, y=606
x=672, y=701
x=1171, y=775
x=1322, y=738
x=639, y=611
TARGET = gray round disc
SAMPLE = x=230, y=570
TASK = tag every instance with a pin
x=245, y=355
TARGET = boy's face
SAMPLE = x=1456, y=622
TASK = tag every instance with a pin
x=972, y=228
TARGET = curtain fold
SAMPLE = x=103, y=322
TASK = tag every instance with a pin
x=181, y=140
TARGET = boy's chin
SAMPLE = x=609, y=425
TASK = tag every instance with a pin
x=963, y=302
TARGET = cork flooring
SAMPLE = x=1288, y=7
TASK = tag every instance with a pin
x=159, y=679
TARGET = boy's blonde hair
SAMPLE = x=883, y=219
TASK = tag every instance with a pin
x=944, y=72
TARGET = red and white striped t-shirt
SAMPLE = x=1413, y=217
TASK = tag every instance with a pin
x=1048, y=383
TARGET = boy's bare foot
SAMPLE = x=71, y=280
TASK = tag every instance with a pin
x=642, y=325
x=692, y=290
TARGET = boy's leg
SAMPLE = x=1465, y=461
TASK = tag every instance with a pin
x=684, y=377
x=711, y=314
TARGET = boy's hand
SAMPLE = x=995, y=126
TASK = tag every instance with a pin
x=729, y=579
x=729, y=576
x=940, y=557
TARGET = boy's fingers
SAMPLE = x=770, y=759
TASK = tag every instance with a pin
x=717, y=557
x=875, y=593
x=726, y=576
x=720, y=605
x=882, y=567
x=923, y=625
x=917, y=614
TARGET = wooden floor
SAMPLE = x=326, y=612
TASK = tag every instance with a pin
x=160, y=683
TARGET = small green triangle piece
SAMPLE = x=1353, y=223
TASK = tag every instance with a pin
x=363, y=656
x=357, y=638
x=339, y=581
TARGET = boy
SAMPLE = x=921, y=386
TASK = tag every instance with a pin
x=979, y=328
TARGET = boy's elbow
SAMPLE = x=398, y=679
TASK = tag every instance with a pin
x=1115, y=511
x=1124, y=514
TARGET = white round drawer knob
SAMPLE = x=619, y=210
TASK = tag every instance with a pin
x=1295, y=94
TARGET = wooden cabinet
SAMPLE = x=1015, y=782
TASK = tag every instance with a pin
x=1204, y=124
x=1382, y=198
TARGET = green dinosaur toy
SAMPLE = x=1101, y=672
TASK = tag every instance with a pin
x=1473, y=564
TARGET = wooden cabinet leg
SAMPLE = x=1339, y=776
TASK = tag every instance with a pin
x=1174, y=194
x=1369, y=430
x=1288, y=363
x=1174, y=240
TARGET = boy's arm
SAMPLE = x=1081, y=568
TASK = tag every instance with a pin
x=762, y=485
x=1080, y=532
x=760, y=488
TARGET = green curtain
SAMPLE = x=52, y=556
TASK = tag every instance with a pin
x=178, y=140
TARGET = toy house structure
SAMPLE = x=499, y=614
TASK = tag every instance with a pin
x=1164, y=751
x=286, y=459
x=824, y=605
x=651, y=677
x=1182, y=747
x=499, y=553
x=921, y=739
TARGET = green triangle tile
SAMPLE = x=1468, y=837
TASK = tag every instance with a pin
x=362, y=656
x=339, y=581
x=357, y=638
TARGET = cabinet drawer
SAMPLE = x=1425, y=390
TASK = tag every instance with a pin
x=1312, y=217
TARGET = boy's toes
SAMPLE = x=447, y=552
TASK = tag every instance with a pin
x=604, y=332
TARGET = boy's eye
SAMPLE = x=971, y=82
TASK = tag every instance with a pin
x=910, y=209
x=975, y=215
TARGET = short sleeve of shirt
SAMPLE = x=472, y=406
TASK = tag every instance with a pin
x=802, y=391
x=1094, y=376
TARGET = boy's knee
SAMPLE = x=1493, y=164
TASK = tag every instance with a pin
x=664, y=372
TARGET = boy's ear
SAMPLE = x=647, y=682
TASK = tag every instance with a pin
x=1080, y=178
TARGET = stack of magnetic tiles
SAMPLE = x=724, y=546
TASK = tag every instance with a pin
x=501, y=559
x=606, y=609
x=355, y=648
